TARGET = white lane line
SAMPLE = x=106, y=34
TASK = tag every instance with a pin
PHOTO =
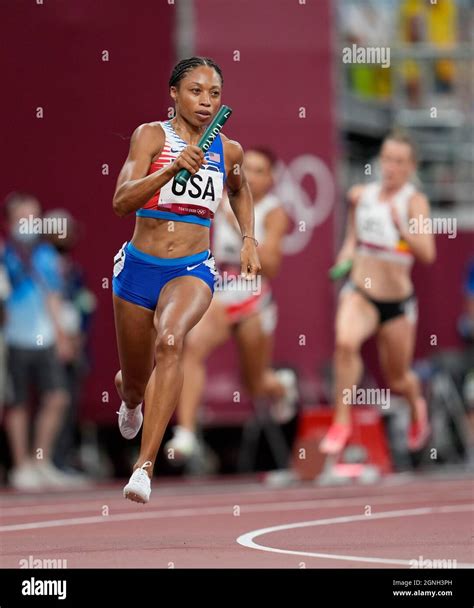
x=185, y=512
x=168, y=513
x=247, y=540
x=119, y=503
x=183, y=495
x=163, y=513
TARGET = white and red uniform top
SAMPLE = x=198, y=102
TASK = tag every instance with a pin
x=196, y=202
x=376, y=232
x=227, y=243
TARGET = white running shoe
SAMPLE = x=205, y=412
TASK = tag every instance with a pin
x=52, y=477
x=26, y=478
x=284, y=409
x=130, y=420
x=138, y=488
x=181, y=446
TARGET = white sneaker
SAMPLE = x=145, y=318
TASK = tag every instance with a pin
x=52, y=477
x=26, y=478
x=181, y=446
x=284, y=409
x=138, y=488
x=130, y=420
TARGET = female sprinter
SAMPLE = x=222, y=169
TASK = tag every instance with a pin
x=384, y=235
x=248, y=315
x=164, y=277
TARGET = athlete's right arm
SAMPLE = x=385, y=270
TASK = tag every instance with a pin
x=134, y=187
x=350, y=239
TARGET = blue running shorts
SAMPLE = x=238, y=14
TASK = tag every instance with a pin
x=139, y=277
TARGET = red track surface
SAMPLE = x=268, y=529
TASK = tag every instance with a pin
x=197, y=524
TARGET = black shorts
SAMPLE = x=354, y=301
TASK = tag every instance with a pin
x=37, y=368
x=391, y=309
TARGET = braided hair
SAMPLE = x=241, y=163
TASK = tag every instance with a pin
x=187, y=65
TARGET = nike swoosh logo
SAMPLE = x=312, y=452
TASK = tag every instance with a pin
x=193, y=267
x=174, y=150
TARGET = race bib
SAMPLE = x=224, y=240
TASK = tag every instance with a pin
x=203, y=189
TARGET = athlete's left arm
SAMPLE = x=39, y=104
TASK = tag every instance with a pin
x=271, y=250
x=420, y=241
x=240, y=199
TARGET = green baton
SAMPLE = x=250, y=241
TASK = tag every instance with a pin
x=207, y=138
x=340, y=270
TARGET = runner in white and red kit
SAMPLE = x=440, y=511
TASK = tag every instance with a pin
x=383, y=239
x=247, y=313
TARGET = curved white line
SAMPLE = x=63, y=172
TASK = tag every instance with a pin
x=247, y=540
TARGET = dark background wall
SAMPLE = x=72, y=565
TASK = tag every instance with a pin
x=276, y=57
x=52, y=57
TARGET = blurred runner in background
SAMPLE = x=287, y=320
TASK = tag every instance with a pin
x=385, y=233
x=246, y=312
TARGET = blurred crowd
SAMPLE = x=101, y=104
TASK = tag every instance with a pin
x=375, y=23
x=46, y=310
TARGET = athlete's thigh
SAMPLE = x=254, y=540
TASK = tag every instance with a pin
x=356, y=319
x=205, y=335
x=211, y=331
x=182, y=303
x=396, y=344
x=135, y=340
x=254, y=347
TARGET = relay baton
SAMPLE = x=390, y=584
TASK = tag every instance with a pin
x=207, y=138
x=340, y=270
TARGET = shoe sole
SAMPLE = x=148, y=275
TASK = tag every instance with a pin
x=28, y=489
x=131, y=436
x=130, y=495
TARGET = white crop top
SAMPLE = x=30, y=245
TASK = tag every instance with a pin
x=376, y=232
x=227, y=241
